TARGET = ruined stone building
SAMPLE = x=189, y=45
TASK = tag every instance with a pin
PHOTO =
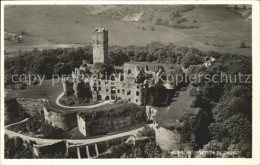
x=103, y=83
x=124, y=86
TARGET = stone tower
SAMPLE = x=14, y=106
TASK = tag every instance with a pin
x=100, y=45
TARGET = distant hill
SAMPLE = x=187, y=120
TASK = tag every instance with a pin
x=217, y=27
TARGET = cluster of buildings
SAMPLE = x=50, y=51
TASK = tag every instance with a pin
x=13, y=37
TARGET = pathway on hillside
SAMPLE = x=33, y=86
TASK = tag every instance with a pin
x=7, y=126
x=102, y=9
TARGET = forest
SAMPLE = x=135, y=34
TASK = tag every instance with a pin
x=228, y=106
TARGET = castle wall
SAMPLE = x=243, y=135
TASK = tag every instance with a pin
x=170, y=140
x=109, y=120
x=130, y=92
x=50, y=149
x=81, y=125
x=64, y=121
x=77, y=90
x=31, y=106
x=131, y=72
x=151, y=113
x=67, y=87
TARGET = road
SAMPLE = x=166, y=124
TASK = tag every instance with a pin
x=76, y=142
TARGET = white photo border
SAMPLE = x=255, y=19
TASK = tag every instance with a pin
x=196, y=161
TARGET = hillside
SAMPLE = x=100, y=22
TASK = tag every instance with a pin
x=71, y=26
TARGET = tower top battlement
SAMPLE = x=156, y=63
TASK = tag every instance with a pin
x=100, y=30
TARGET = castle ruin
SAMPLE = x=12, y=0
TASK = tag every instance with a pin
x=127, y=86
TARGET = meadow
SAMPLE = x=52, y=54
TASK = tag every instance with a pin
x=71, y=26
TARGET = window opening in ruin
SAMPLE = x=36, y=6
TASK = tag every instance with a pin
x=113, y=97
x=118, y=98
x=107, y=98
x=137, y=100
x=122, y=78
x=128, y=92
x=99, y=97
x=129, y=99
x=123, y=91
x=106, y=89
x=118, y=91
x=137, y=93
x=129, y=71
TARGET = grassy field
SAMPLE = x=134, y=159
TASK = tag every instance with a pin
x=71, y=26
x=182, y=104
x=46, y=91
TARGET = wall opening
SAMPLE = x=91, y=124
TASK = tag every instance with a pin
x=128, y=92
x=99, y=97
x=129, y=71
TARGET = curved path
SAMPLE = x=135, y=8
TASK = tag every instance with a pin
x=16, y=123
x=41, y=141
x=76, y=107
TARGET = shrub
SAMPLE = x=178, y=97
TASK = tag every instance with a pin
x=159, y=21
x=242, y=45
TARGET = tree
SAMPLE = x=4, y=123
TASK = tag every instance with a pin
x=242, y=44
x=152, y=150
x=117, y=56
x=191, y=59
x=159, y=21
x=15, y=149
